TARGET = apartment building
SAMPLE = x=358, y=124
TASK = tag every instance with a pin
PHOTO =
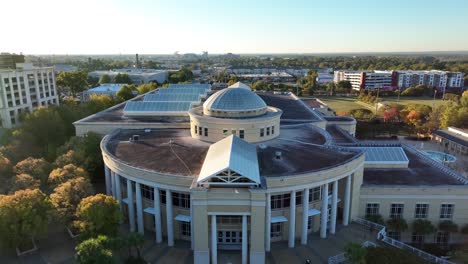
x=367, y=79
x=24, y=88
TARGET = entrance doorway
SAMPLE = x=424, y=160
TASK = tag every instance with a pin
x=230, y=239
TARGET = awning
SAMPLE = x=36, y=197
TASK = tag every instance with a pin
x=278, y=219
x=313, y=212
x=183, y=218
x=125, y=200
x=149, y=210
x=330, y=200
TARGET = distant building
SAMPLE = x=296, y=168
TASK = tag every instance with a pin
x=400, y=79
x=138, y=76
x=106, y=88
x=9, y=61
x=65, y=68
x=324, y=78
x=453, y=138
x=24, y=88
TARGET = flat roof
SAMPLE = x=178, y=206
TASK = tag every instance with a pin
x=293, y=109
x=105, y=87
x=339, y=135
x=452, y=136
x=167, y=150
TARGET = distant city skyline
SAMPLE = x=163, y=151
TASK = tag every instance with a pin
x=284, y=27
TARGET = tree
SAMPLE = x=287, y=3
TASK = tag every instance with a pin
x=397, y=224
x=355, y=253
x=259, y=85
x=74, y=82
x=126, y=92
x=6, y=168
x=390, y=255
x=105, y=78
x=122, y=78
x=135, y=240
x=24, y=181
x=67, y=172
x=376, y=219
x=448, y=226
x=391, y=115
x=71, y=157
x=147, y=87
x=97, y=103
x=23, y=216
x=344, y=85
x=361, y=113
x=37, y=168
x=98, y=214
x=423, y=227
x=68, y=195
x=94, y=251
x=183, y=75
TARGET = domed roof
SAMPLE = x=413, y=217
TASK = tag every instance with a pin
x=235, y=98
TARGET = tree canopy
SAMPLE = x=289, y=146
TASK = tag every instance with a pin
x=147, y=87
x=126, y=92
x=122, y=78
x=37, y=168
x=94, y=251
x=73, y=82
x=105, y=78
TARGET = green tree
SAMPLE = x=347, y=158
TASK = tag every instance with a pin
x=24, y=181
x=355, y=253
x=423, y=227
x=135, y=241
x=6, y=168
x=259, y=85
x=105, y=78
x=361, y=113
x=37, y=168
x=23, y=216
x=390, y=255
x=376, y=219
x=122, y=78
x=67, y=172
x=397, y=224
x=147, y=87
x=68, y=195
x=183, y=75
x=73, y=82
x=126, y=92
x=94, y=251
x=344, y=85
x=97, y=103
x=98, y=214
x=448, y=226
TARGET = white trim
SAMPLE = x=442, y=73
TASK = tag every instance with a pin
x=278, y=219
x=228, y=213
x=434, y=196
x=229, y=202
x=183, y=218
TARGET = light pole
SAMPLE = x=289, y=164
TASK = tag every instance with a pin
x=377, y=99
x=433, y=101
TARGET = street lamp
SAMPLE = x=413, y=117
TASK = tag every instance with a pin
x=433, y=101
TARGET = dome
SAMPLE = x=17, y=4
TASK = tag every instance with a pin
x=235, y=101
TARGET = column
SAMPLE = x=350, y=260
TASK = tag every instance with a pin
x=214, y=241
x=118, y=190
x=112, y=184
x=139, y=207
x=334, y=207
x=169, y=218
x=157, y=215
x=292, y=219
x=324, y=211
x=268, y=223
x=347, y=200
x=305, y=216
x=131, y=208
x=108, y=180
x=244, y=239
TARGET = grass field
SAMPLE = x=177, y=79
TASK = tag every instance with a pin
x=345, y=104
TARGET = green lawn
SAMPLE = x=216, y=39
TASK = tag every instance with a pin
x=345, y=104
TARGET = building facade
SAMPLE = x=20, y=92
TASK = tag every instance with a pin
x=24, y=89
x=251, y=169
x=138, y=76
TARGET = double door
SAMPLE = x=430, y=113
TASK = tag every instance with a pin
x=230, y=239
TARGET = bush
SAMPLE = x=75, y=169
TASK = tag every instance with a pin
x=389, y=255
x=423, y=227
x=448, y=226
x=376, y=219
x=397, y=224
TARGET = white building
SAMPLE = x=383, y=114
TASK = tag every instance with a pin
x=438, y=79
x=324, y=77
x=365, y=79
x=138, y=76
x=23, y=89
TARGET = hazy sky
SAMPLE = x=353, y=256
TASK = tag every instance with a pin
x=220, y=26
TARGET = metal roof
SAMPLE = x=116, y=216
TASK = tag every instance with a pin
x=384, y=155
x=234, y=99
x=204, y=86
x=231, y=153
x=139, y=106
x=191, y=90
x=172, y=97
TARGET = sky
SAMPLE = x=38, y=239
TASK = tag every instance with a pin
x=241, y=26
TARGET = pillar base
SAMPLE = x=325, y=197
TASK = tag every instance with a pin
x=257, y=257
x=201, y=256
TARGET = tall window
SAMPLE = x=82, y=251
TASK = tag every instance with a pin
x=206, y=131
x=315, y=194
x=233, y=131
x=241, y=133
x=185, y=229
x=417, y=238
x=147, y=192
x=394, y=235
x=298, y=198
x=442, y=238
x=181, y=199
x=421, y=211
x=262, y=132
x=280, y=201
x=446, y=211
x=200, y=130
x=196, y=129
x=225, y=132
x=276, y=230
x=396, y=211
x=273, y=130
x=162, y=196
x=310, y=223
x=268, y=131
x=372, y=209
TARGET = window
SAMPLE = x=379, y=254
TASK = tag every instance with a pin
x=394, y=235
x=147, y=192
x=162, y=196
x=298, y=198
x=442, y=238
x=446, y=211
x=268, y=131
x=310, y=224
x=396, y=211
x=315, y=194
x=262, y=132
x=372, y=209
x=280, y=201
x=200, y=130
x=421, y=211
x=417, y=238
x=206, y=131
x=241, y=133
x=229, y=219
x=233, y=131
x=185, y=229
x=276, y=230
x=196, y=129
x=225, y=132
x=273, y=130
x=181, y=199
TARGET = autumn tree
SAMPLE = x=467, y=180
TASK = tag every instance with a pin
x=24, y=181
x=6, y=168
x=147, y=87
x=98, y=214
x=37, y=168
x=23, y=216
x=126, y=92
x=67, y=172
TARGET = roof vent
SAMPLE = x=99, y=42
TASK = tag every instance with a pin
x=278, y=155
x=135, y=138
x=262, y=146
